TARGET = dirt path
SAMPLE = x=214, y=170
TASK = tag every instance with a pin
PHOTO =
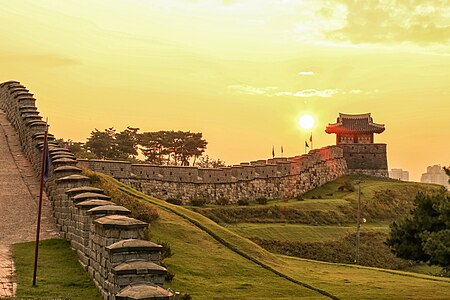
x=19, y=196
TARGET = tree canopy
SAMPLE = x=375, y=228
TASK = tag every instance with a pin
x=424, y=235
x=159, y=147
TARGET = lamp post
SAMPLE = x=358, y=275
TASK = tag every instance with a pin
x=358, y=223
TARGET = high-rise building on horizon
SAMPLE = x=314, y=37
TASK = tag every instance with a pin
x=435, y=174
x=399, y=174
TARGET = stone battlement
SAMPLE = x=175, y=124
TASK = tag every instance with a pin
x=272, y=178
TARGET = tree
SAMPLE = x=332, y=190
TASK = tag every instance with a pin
x=207, y=162
x=172, y=147
x=101, y=143
x=126, y=143
x=424, y=236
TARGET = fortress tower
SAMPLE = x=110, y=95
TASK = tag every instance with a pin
x=355, y=135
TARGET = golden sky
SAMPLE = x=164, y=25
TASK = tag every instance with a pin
x=241, y=72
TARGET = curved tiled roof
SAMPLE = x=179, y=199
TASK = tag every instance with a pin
x=358, y=123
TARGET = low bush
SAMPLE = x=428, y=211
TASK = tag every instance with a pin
x=261, y=200
x=198, y=202
x=243, y=202
x=347, y=185
x=174, y=201
x=373, y=250
x=223, y=201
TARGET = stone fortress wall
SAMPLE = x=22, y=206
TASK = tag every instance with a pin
x=367, y=159
x=110, y=245
x=275, y=178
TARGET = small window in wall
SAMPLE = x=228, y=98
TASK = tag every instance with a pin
x=362, y=156
x=121, y=169
x=217, y=179
x=103, y=168
x=365, y=147
x=180, y=178
x=153, y=172
x=170, y=173
x=209, y=175
x=147, y=175
x=189, y=174
x=141, y=172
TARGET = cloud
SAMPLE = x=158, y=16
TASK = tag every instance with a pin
x=316, y=93
x=421, y=22
x=271, y=91
x=306, y=73
x=251, y=90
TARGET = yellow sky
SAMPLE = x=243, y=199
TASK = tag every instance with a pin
x=241, y=72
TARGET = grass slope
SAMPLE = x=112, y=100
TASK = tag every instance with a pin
x=212, y=262
x=59, y=274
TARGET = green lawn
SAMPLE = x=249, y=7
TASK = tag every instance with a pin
x=299, y=232
x=212, y=262
x=59, y=274
x=206, y=269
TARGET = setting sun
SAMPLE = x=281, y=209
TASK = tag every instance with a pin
x=306, y=122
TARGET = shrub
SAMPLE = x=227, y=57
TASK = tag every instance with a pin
x=166, y=250
x=347, y=185
x=174, y=201
x=313, y=197
x=243, y=202
x=186, y=297
x=261, y=200
x=319, y=197
x=169, y=276
x=223, y=201
x=198, y=202
x=299, y=197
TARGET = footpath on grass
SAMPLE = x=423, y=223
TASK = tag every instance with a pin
x=19, y=196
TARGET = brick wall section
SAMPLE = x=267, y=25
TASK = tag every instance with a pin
x=368, y=159
x=274, y=178
x=110, y=245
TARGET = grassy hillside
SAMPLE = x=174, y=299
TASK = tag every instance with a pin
x=59, y=275
x=321, y=225
x=212, y=262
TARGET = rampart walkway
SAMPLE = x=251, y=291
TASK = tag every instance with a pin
x=19, y=196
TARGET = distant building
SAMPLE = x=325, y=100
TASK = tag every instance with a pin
x=399, y=174
x=435, y=174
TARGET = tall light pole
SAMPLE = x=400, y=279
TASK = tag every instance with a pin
x=358, y=223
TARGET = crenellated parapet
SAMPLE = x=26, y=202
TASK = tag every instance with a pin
x=110, y=245
x=273, y=178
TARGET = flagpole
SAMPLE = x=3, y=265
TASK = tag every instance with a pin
x=41, y=191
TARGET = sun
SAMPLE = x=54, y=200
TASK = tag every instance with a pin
x=306, y=122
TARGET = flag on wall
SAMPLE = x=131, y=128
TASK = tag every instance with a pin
x=273, y=152
x=310, y=138
x=282, y=150
x=306, y=144
x=47, y=161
